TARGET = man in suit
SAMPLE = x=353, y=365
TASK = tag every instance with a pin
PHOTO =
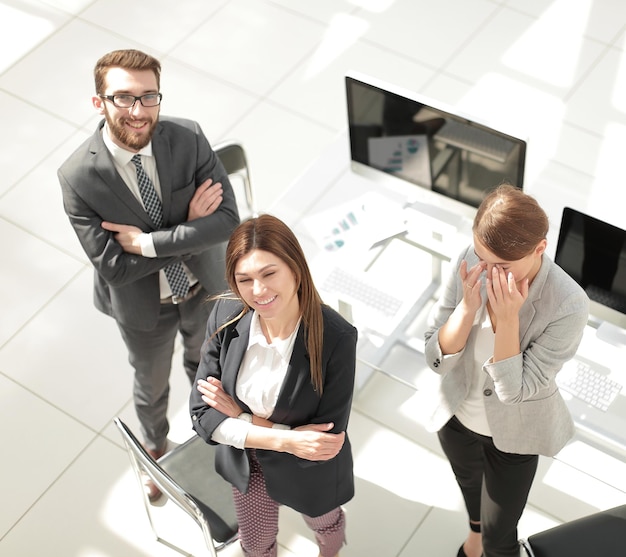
x=152, y=207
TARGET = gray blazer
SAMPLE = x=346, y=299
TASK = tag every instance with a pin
x=126, y=286
x=525, y=410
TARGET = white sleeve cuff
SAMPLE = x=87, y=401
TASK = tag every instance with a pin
x=232, y=432
x=147, y=245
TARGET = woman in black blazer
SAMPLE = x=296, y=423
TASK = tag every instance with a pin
x=274, y=390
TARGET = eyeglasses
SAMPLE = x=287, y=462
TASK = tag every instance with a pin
x=128, y=101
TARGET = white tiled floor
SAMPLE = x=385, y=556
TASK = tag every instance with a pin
x=269, y=73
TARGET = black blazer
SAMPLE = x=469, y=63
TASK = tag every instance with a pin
x=126, y=286
x=312, y=488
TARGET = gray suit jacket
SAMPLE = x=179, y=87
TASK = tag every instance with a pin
x=126, y=286
x=525, y=410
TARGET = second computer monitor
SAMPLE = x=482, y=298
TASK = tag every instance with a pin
x=593, y=253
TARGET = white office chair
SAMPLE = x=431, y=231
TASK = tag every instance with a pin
x=233, y=157
x=186, y=476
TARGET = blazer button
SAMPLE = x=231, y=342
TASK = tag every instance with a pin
x=487, y=392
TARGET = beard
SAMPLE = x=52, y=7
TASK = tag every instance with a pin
x=122, y=133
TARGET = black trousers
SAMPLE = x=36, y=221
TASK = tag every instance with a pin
x=494, y=484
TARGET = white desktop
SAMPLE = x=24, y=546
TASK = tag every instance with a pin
x=371, y=232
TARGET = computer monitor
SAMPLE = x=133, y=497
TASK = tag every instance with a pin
x=593, y=253
x=453, y=157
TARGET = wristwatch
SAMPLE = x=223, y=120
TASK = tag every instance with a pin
x=245, y=417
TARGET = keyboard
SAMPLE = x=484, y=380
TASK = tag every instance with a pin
x=347, y=286
x=582, y=381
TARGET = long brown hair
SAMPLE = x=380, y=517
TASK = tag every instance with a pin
x=128, y=60
x=510, y=223
x=270, y=234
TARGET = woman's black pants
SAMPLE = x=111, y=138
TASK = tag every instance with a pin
x=494, y=485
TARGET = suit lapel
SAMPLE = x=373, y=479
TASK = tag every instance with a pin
x=298, y=372
x=234, y=354
x=105, y=168
x=529, y=309
x=298, y=376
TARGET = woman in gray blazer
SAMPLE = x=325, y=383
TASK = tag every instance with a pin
x=275, y=386
x=508, y=320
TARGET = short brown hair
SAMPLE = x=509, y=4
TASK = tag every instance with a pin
x=128, y=60
x=510, y=223
x=270, y=234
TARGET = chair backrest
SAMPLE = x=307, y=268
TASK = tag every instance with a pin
x=233, y=157
x=599, y=534
x=186, y=476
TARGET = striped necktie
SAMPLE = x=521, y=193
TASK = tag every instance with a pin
x=176, y=276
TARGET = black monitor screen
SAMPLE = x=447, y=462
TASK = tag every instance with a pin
x=405, y=135
x=593, y=253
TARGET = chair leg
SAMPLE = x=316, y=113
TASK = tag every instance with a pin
x=528, y=551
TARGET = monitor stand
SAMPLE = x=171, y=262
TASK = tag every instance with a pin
x=612, y=334
x=461, y=223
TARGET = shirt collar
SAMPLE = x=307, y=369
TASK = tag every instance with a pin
x=256, y=334
x=282, y=346
x=120, y=155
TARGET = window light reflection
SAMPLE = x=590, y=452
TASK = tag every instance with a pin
x=522, y=110
x=538, y=53
x=618, y=97
x=22, y=31
x=343, y=31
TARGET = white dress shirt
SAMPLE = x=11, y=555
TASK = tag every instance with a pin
x=261, y=377
x=128, y=172
x=472, y=413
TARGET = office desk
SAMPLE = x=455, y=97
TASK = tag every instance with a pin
x=393, y=380
x=422, y=247
x=607, y=357
x=425, y=250
x=329, y=184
